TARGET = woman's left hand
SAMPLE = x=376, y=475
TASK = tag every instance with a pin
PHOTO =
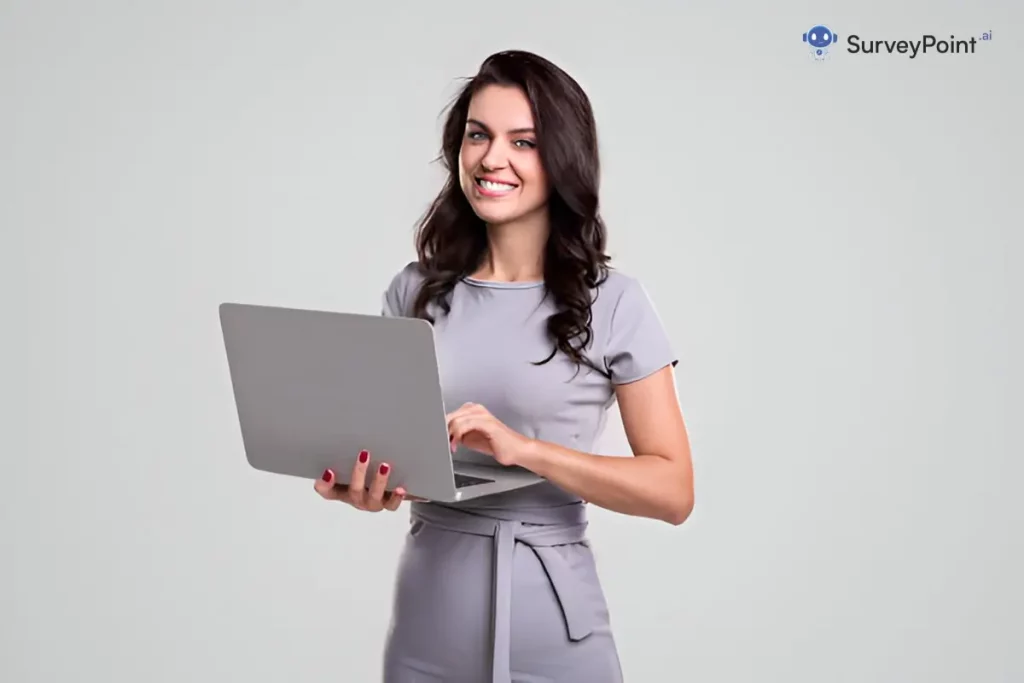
x=474, y=427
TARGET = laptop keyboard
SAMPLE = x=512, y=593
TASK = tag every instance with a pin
x=464, y=480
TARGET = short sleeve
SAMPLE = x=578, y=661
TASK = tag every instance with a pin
x=391, y=302
x=637, y=344
x=397, y=299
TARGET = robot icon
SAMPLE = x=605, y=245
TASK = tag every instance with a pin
x=820, y=38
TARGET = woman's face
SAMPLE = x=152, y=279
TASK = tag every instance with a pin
x=499, y=167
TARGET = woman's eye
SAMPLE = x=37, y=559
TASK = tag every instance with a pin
x=478, y=136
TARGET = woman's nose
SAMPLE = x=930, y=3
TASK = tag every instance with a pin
x=496, y=157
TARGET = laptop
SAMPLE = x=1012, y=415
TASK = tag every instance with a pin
x=314, y=388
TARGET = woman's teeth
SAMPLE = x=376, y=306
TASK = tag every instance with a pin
x=496, y=187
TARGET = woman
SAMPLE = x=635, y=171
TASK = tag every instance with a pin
x=536, y=337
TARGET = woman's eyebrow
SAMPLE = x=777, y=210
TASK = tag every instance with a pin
x=514, y=131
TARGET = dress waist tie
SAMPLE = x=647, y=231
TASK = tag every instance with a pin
x=540, y=530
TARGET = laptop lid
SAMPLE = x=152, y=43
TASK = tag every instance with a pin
x=313, y=388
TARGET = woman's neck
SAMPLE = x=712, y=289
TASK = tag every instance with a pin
x=515, y=252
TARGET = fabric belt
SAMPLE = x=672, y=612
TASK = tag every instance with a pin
x=540, y=530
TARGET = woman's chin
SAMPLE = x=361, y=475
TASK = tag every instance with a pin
x=489, y=215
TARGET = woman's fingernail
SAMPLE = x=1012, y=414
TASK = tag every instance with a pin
x=384, y=468
x=364, y=456
x=328, y=475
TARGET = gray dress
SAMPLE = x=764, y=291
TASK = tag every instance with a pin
x=504, y=588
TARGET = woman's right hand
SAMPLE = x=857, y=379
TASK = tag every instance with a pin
x=372, y=498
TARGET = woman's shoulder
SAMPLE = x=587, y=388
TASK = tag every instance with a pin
x=410, y=275
x=622, y=303
x=402, y=289
x=617, y=288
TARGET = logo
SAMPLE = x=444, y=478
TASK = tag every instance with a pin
x=820, y=39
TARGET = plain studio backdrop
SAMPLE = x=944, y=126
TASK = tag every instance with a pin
x=834, y=248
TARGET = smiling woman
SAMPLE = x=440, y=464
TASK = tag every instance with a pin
x=499, y=157
x=536, y=337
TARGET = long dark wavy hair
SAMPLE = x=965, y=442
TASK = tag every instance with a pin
x=451, y=240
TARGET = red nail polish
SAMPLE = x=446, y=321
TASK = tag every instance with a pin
x=328, y=475
x=364, y=456
x=384, y=468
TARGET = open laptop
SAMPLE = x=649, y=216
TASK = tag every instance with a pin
x=313, y=388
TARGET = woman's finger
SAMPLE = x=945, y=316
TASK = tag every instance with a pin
x=464, y=409
x=357, y=484
x=395, y=499
x=375, y=499
x=323, y=484
x=455, y=427
x=463, y=425
x=328, y=489
x=453, y=420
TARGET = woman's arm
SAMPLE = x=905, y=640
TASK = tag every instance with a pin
x=656, y=483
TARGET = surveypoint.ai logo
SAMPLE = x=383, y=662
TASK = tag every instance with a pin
x=820, y=39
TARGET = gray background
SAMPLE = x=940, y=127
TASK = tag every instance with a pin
x=834, y=248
